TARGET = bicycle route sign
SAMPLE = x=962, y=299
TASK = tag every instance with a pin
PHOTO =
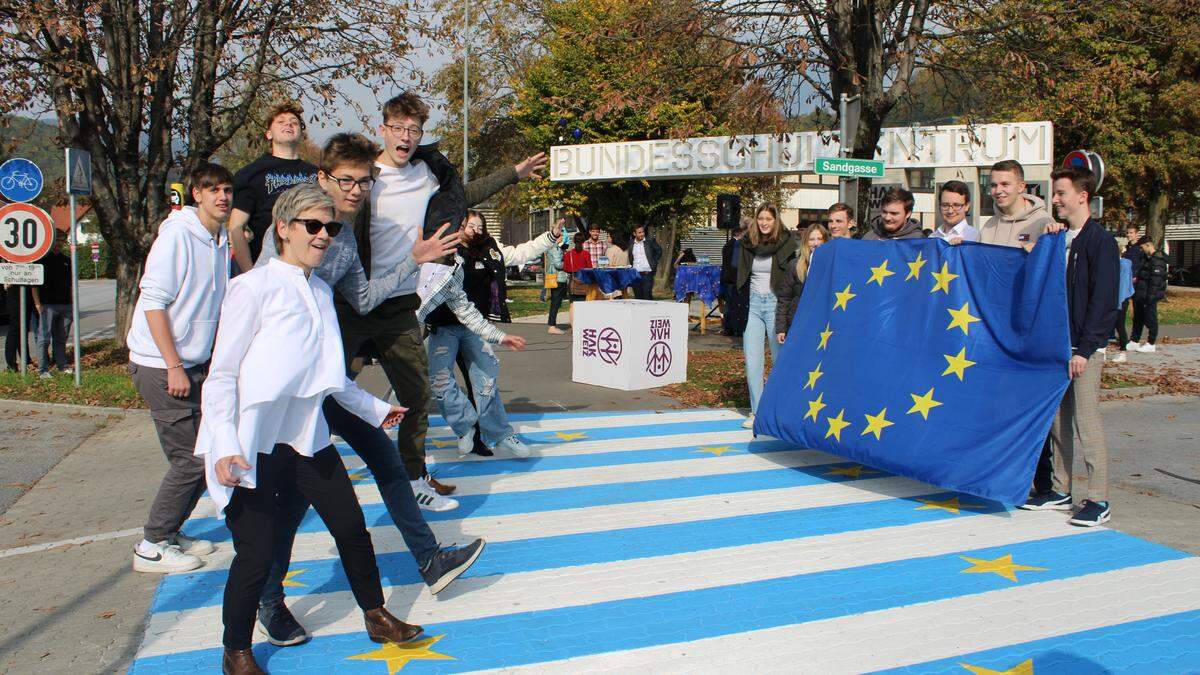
x=26, y=233
x=20, y=180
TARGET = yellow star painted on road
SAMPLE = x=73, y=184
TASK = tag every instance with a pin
x=1023, y=668
x=876, y=424
x=843, y=297
x=572, y=436
x=398, y=655
x=957, y=364
x=359, y=475
x=813, y=376
x=952, y=505
x=943, y=280
x=836, y=424
x=1004, y=566
x=914, y=268
x=287, y=580
x=878, y=274
x=961, y=318
x=442, y=444
x=824, y=337
x=815, y=407
x=715, y=450
x=855, y=471
x=923, y=404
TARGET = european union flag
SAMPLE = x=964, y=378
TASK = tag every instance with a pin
x=941, y=363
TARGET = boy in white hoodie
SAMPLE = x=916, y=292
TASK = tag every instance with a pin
x=170, y=343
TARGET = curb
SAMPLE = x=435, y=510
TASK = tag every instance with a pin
x=72, y=407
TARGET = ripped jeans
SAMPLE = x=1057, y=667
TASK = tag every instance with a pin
x=452, y=401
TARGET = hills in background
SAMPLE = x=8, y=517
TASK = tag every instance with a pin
x=37, y=141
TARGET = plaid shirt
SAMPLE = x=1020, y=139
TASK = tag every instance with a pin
x=449, y=291
x=596, y=249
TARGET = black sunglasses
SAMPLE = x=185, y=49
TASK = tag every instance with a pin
x=313, y=226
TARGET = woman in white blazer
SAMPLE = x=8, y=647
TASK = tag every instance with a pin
x=278, y=354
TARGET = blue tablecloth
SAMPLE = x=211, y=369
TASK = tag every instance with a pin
x=609, y=279
x=703, y=280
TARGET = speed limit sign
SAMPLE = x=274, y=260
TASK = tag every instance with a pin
x=26, y=233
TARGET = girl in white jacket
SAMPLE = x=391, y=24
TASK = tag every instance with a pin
x=278, y=354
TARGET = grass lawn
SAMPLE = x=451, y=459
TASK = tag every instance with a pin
x=1177, y=308
x=524, y=301
x=106, y=381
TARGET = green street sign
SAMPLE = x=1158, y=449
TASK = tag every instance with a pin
x=855, y=168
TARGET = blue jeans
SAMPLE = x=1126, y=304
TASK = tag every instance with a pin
x=484, y=369
x=760, y=325
x=55, y=326
x=383, y=459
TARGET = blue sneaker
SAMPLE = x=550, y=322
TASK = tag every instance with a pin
x=276, y=622
x=1091, y=515
x=1047, y=501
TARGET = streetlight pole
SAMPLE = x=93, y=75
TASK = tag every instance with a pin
x=466, y=89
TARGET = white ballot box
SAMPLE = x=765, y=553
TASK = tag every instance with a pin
x=629, y=344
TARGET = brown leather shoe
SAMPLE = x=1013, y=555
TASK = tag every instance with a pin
x=240, y=662
x=383, y=627
x=441, y=488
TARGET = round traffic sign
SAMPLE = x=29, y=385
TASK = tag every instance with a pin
x=20, y=180
x=26, y=233
x=1077, y=159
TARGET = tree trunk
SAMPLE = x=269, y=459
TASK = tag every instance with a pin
x=1156, y=216
x=662, y=276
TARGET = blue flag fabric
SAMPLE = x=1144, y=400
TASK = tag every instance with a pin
x=941, y=363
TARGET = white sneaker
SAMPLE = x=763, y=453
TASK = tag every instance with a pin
x=68, y=371
x=514, y=445
x=749, y=423
x=1119, y=358
x=1131, y=346
x=162, y=558
x=466, y=444
x=191, y=544
x=45, y=375
x=1147, y=348
x=429, y=499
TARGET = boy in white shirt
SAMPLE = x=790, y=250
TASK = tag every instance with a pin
x=170, y=343
x=954, y=201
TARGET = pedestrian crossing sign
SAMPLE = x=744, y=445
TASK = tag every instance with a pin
x=79, y=172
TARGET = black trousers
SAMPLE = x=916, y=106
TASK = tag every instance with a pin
x=251, y=517
x=643, y=289
x=1122, y=335
x=556, y=300
x=1145, y=313
x=1043, y=475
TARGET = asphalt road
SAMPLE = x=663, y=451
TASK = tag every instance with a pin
x=97, y=305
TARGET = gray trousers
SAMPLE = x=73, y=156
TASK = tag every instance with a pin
x=177, y=421
x=1078, y=422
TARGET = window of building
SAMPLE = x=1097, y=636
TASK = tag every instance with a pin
x=919, y=179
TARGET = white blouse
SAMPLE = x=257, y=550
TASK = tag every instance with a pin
x=278, y=354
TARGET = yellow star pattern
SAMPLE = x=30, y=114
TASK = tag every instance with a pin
x=876, y=424
x=397, y=656
x=442, y=444
x=942, y=280
x=289, y=582
x=878, y=274
x=855, y=471
x=952, y=505
x=715, y=450
x=813, y=376
x=824, y=337
x=961, y=318
x=572, y=436
x=914, y=267
x=923, y=404
x=836, y=424
x=359, y=475
x=957, y=364
x=1023, y=668
x=843, y=297
x=815, y=407
x=1004, y=566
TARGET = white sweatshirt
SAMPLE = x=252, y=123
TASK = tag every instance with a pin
x=186, y=274
x=278, y=355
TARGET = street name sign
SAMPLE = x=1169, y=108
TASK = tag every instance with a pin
x=843, y=166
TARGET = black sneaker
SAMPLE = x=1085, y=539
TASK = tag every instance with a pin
x=1047, y=501
x=1091, y=515
x=448, y=564
x=276, y=622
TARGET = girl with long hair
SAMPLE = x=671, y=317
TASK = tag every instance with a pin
x=793, y=283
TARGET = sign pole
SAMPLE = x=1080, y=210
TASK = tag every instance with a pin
x=22, y=345
x=75, y=296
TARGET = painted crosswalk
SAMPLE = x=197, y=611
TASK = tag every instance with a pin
x=677, y=542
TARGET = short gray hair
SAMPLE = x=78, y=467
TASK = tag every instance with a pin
x=297, y=200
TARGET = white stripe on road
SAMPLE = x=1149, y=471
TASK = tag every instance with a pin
x=77, y=541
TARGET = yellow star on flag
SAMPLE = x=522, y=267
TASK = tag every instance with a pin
x=914, y=267
x=957, y=364
x=398, y=655
x=442, y=444
x=824, y=337
x=878, y=274
x=359, y=475
x=1023, y=668
x=572, y=436
x=961, y=318
x=1004, y=566
x=952, y=505
x=876, y=424
x=813, y=376
x=836, y=424
x=923, y=404
x=855, y=471
x=843, y=297
x=815, y=407
x=715, y=450
x=943, y=280
x=289, y=582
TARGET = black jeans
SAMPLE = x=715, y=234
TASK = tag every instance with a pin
x=251, y=517
x=556, y=300
x=1122, y=336
x=1145, y=313
x=1043, y=475
x=643, y=289
x=383, y=459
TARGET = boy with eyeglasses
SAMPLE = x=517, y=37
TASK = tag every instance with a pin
x=954, y=200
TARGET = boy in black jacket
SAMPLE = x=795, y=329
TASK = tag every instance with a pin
x=1149, y=286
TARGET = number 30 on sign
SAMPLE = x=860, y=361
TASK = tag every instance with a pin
x=26, y=233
